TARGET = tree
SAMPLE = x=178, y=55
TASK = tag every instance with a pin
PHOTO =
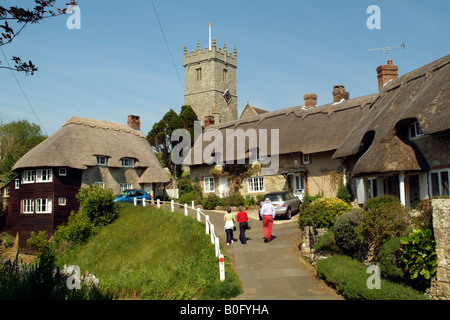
x=160, y=137
x=16, y=139
x=21, y=18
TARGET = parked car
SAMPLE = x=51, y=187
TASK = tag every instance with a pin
x=129, y=196
x=285, y=203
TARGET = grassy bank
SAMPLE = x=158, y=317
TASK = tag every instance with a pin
x=155, y=254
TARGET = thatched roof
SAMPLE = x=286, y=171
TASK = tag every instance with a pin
x=312, y=130
x=422, y=95
x=80, y=140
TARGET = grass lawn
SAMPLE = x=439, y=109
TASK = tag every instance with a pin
x=153, y=253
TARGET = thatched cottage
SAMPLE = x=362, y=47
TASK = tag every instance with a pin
x=82, y=152
x=308, y=137
x=402, y=145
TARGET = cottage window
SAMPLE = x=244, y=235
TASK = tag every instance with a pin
x=62, y=172
x=415, y=131
x=255, y=184
x=62, y=201
x=27, y=206
x=17, y=184
x=439, y=182
x=43, y=205
x=209, y=184
x=101, y=161
x=100, y=184
x=306, y=159
x=128, y=163
x=6, y=192
x=372, y=188
x=125, y=186
x=198, y=74
x=44, y=175
x=28, y=176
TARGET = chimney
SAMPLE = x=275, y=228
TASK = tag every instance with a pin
x=386, y=73
x=134, y=122
x=339, y=93
x=209, y=121
x=310, y=100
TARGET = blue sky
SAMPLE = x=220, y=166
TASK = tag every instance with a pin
x=118, y=63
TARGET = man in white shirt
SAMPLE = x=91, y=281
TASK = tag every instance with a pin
x=267, y=214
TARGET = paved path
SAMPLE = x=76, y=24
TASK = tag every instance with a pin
x=274, y=270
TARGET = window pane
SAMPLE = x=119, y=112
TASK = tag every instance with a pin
x=434, y=184
x=444, y=183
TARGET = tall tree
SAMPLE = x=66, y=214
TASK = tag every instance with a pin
x=20, y=18
x=16, y=139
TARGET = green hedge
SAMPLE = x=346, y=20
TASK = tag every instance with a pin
x=349, y=277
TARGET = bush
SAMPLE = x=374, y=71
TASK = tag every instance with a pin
x=350, y=278
x=347, y=231
x=418, y=256
x=77, y=230
x=38, y=241
x=186, y=185
x=344, y=194
x=322, y=212
x=212, y=201
x=327, y=243
x=384, y=221
x=250, y=201
x=389, y=255
x=187, y=198
x=98, y=203
x=234, y=200
x=376, y=204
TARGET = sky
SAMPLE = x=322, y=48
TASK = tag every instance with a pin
x=123, y=61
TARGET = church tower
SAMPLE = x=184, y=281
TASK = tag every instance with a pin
x=210, y=83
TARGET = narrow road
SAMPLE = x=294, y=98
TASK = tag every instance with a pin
x=274, y=270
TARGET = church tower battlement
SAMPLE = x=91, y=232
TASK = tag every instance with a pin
x=210, y=82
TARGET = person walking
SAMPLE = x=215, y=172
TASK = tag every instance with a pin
x=267, y=214
x=242, y=218
x=229, y=220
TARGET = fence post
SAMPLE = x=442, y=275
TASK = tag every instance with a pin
x=193, y=206
x=207, y=224
x=158, y=204
x=212, y=233
x=172, y=206
x=143, y=203
x=217, y=245
x=222, y=268
x=135, y=202
x=199, y=219
x=185, y=209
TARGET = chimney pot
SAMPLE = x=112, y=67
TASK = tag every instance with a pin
x=134, y=122
x=310, y=100
x=386, y=73
x=339, y=93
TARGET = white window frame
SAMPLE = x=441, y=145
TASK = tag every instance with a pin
x=27, y=206
x=128, y=163
x=62, y=172
x=372, y=187
x=439, y=174
x=209, y=184
x=102, y=161
x=306, y=158
x=6, y=192
x=44, y=205
x=100, y=183
x=255, y=184
x=62, y=201
x=17, y=184
x=125, y=186
x=44, y=175
x=28, y=176
x=416, y=131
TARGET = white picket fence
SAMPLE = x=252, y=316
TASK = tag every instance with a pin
x=209, y=227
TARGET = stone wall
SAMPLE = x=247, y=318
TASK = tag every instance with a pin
x=440, y=288
x=310, y=236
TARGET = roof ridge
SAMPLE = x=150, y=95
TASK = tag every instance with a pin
x=101, y=124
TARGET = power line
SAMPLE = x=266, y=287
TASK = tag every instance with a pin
x=23, y=92
x=167, y=44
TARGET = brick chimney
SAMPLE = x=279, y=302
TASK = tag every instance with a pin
x=310, y=100
x=134, y=122
x=339, y=93
x=386, y=73
x=209, y=121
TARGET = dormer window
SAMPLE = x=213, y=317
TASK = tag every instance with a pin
x=102, y=161
x=127, y=163
x=415, y=131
